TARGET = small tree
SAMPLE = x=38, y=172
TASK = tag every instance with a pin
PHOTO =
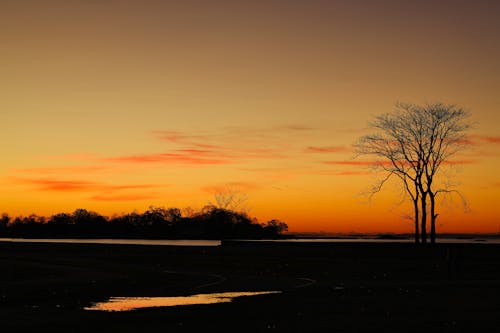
x=413, y=143
x=4, y=222
x=276, y=226
x=230, y=198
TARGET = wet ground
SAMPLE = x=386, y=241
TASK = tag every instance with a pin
x=324, y=287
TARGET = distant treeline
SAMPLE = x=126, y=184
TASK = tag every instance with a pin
x=155, y=223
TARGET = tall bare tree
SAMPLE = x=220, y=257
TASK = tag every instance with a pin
x=445, y=136
x=413, y=143
x=396, y=155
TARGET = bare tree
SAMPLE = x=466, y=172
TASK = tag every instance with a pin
x=397, y=155
x=445, y=136
x=230, y=198
x=413, y=143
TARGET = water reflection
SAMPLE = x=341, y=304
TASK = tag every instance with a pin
x=171, y=242
x=132, y=303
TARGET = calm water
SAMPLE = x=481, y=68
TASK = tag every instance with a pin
x=175, y=242
x=190, y=242
x=132, y=303
x=473, y=240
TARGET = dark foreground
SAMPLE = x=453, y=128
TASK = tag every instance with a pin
x=326, y=287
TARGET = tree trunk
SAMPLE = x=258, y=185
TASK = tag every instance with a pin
x=423, y=200
x=417, y=234
x=433, y=218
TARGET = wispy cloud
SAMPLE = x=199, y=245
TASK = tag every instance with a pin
x=353, y=173
x=102, y=191
x=187, y=139
x=492, y=139
x=327, y=149
x=343, y=173
x=69, y=185
x=59, y=185
x=64, y=170
x=460, y=162
x=389, y=163
x=191, y=157
x=359, y=163
x=478, y=140
x=124, y=197
x=229, y=146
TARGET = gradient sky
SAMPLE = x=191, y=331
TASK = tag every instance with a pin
x=117, y=105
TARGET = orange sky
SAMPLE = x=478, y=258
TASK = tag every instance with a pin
x=117, y=105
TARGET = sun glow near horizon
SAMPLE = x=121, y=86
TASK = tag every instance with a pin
x=118, y=106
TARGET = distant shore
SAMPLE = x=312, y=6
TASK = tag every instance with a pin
x=370, y=238
x=325, y=286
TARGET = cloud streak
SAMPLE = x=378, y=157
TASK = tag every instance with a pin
x=124, y=197
x=50, y=184
x=492, y=139
x=230, y=146
x=64, y=170
x=103, y=191
x=389, y=164
x=478, y=140
x=359, y=163
x=60, y=185
x=183, y=157
x=327, y=150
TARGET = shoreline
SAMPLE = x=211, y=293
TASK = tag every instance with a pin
x=471, y=239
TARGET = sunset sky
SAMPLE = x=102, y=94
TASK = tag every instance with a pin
x=116, y=105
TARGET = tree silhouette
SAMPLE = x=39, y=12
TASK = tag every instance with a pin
x=230, y=198
x=156, y=222
x=276, y=226
x=413, y=143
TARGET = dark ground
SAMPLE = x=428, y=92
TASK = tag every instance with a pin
x=335, y=287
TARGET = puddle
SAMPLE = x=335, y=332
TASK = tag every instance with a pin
x=132, y=303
